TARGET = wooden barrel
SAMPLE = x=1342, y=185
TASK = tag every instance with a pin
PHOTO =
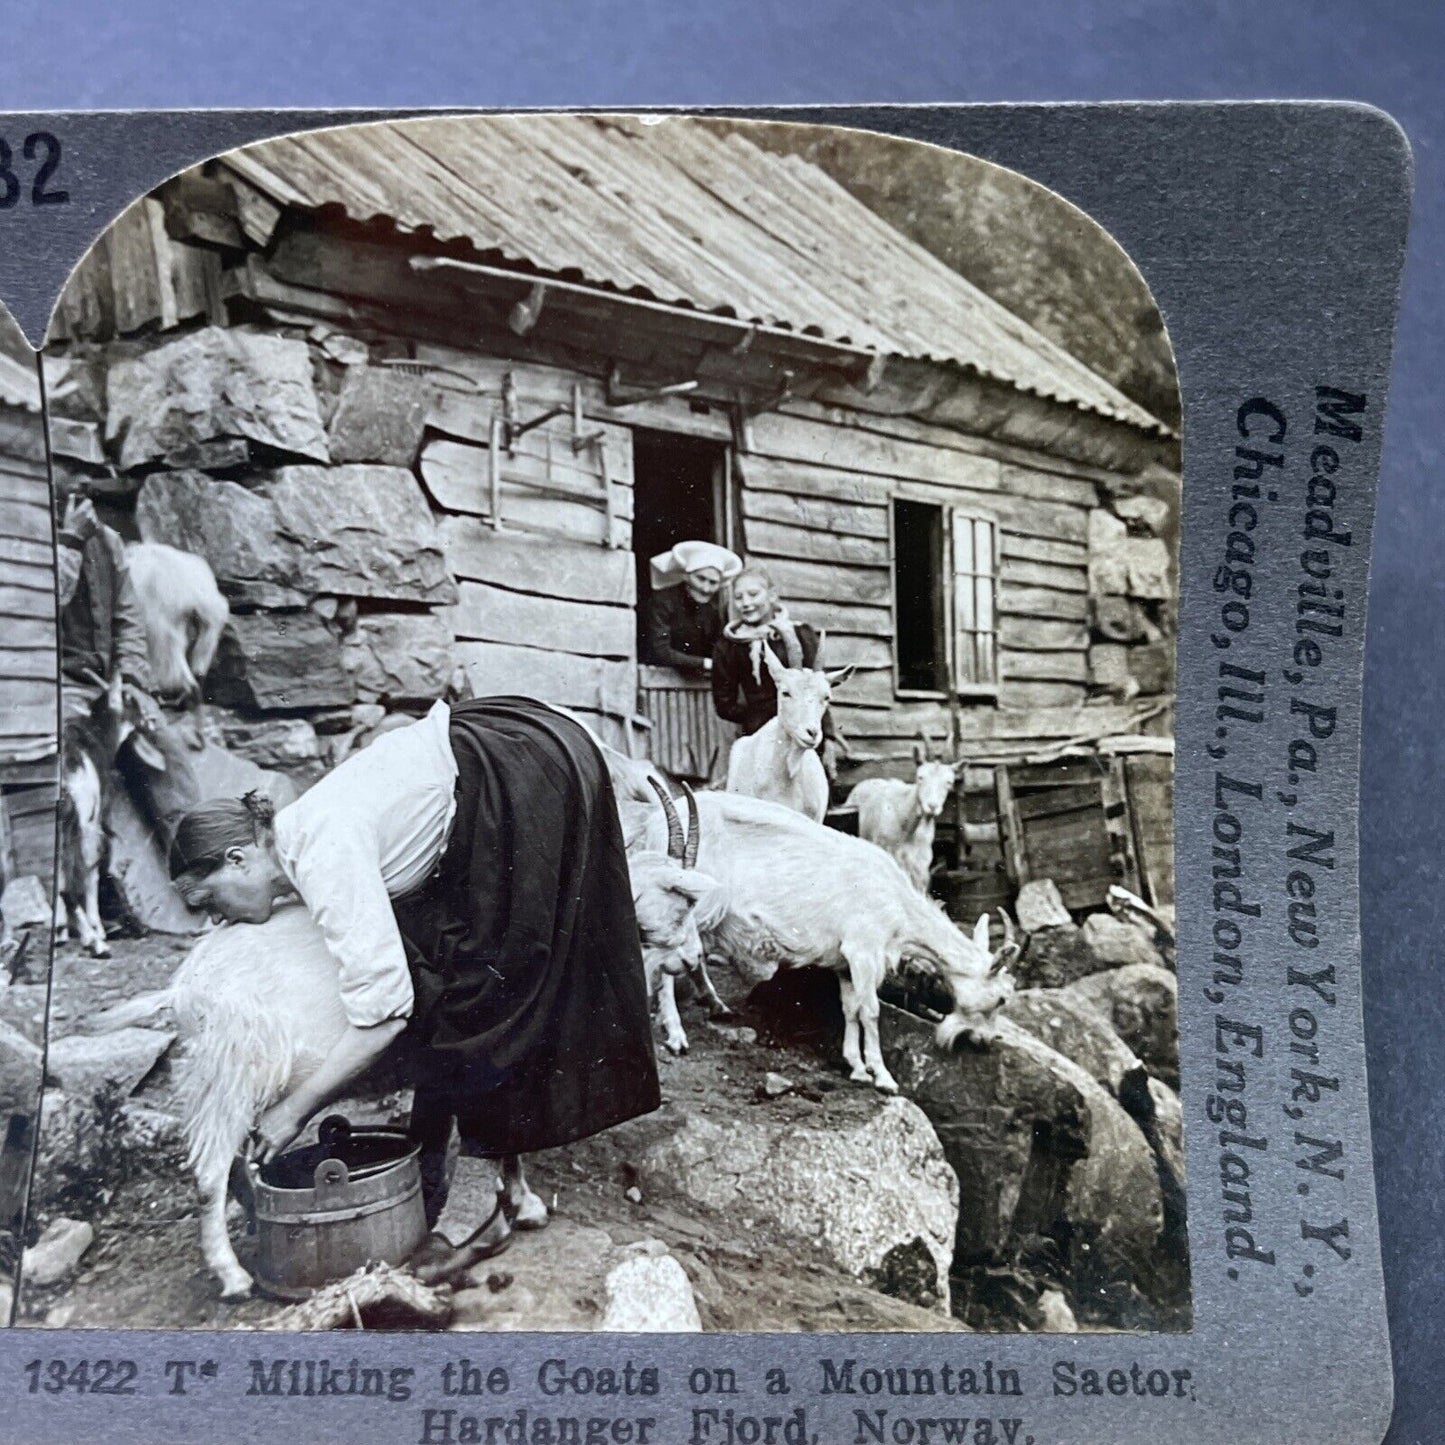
x=325, y=1210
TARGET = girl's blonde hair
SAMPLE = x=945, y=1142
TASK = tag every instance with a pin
x=758, y=573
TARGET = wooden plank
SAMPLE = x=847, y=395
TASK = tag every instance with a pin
x=561, y=677
x=493, y=614
x=1011, y=833
x=857, y=618
x=20, y=487
x=1045, y=666
x=815, y=513
x=1032, y=695
x=1042, y=602
x=28, y=522
x=1042, y=634
x=26, y=601
x=1060, y=550
x=32, y=664
x=822, y=582
x=769, y=539
x=1068, y=578
x=1041, y=518
x=842, y=648
x=28, y=632
x=798, y=439
x=464, y=464
x=25, y=718
x=39, y=774
x=770, y=475
x=476, y=552
x=133, y=270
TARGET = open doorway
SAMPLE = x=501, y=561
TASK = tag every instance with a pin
x=680, y=494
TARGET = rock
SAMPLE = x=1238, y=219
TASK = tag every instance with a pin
x=632, y=1194
x=1117, y=941
x=301, y=532
x=1152, y=667
x=380, y=416
x=1076, y=1031
x=287, y=744
x=862, y=1179
x=84, y=1064
x=1108, y=568
x=1169, y=1128
x=21, y=1073
x=24, y=903
x=776, y=1085
x=1117, y=619
x=1040, y=1150
x=650, y=1294
x=138, y=872
x=214, y=383
x=1141, y=1000
x=1055, y=957
x=1144, y=513
x=399, y=656
x=1109, y=669
x=222, y=773
x=1149, y=565
x=7, y=1302
x=1040, y=906
x=279, y=660
x=153, y=1128
x=54, y=1256
x=562, y=1281
x=1056, y=1316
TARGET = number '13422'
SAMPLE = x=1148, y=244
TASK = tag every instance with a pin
x=42, y=150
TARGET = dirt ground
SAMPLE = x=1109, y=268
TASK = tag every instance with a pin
x=145, y=1269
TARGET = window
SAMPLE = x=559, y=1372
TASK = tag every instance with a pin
x=945, y=586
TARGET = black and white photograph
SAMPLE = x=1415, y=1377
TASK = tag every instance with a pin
x=616, y=746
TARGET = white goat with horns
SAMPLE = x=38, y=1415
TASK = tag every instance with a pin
x=780, y=762
x=792, y=893
x=901, y=818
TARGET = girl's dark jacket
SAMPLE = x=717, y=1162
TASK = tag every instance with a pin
x=752, y=701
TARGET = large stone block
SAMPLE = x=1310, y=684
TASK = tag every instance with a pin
x=211, y=384
x=20, y=1073
x=1041, y=1151
x=1117, y=941
x=84, y=1064
x=864, y=1178
x=279, y=662
x=1141, y=1000
x=399, y=656
x=301, y=532
x=1077, y=1032
x=380, y=416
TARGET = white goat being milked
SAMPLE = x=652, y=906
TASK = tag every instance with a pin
x=183, y=612
x=259, y=1007
x=901, y=818
x=780, y=761
x=792, y=893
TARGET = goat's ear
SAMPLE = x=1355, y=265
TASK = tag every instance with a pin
x=980, y=932
x=838, y=678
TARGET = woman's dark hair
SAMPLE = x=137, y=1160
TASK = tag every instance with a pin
x=209, y=829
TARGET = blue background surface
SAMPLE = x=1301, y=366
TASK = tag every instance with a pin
x=547, y=52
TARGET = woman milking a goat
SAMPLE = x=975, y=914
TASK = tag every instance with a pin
x=469, y=876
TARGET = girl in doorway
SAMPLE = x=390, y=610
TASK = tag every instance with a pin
x=743, y=691
x=469, y=875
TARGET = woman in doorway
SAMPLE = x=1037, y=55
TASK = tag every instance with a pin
x=469, y=875
x=743, y=691
x=684, y=617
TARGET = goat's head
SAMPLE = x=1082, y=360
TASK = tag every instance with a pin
x=665, y=891
x=933, y=778
x=981, y=983
x=803, y=697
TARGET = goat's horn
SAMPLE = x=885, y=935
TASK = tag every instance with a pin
x=694, y=828
x=675, y=843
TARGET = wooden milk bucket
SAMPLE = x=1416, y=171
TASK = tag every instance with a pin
x=325, y=1210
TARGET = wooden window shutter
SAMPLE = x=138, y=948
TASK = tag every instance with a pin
x=975, y=598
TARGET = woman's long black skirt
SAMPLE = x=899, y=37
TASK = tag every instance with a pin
x=531, y=1021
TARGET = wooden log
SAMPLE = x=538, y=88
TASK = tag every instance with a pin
x=30, y=633
x=1042, y=602
x=1059, y=550
x=769, y=539
x=815, y=513
x=1044, y=666
x=1018, y=514
x=842, y=648
x=377, y=1297
x=591, y=683
x=1065, y=578
x=477, y=553
x=25, y=520
x=494, y=614
x=1041, y=634
x=1032, y=695
x=822, y=582
x=857, y=618
x=26, y=599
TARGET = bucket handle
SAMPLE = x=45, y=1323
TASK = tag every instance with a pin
x=330, y=1179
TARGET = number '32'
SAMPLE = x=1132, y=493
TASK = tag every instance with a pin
x=43, y=150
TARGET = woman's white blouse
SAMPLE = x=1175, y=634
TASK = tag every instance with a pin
x=369, y=832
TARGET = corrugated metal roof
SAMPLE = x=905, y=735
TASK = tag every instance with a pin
x=681, y=213
x=19, y=386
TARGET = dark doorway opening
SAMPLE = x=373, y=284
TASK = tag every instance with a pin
x=679, y=494
x=918, y=592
